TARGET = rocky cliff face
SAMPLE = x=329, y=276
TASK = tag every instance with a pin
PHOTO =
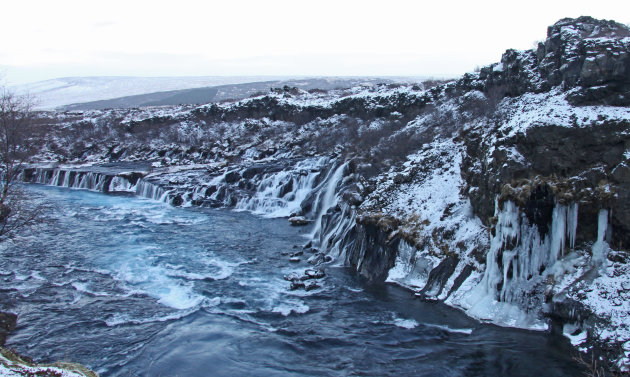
x=504, y=193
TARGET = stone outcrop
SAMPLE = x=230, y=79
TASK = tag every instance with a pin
x=590, y=56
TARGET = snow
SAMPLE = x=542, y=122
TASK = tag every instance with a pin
x=573, y=333
x=411, y=268
x=608, y=297
x=9, y=368
x=69, y=90
x=552, y=108
x=432, y=201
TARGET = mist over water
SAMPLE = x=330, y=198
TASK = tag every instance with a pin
x=130, y=286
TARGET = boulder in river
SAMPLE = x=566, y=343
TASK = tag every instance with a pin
x=298, y=220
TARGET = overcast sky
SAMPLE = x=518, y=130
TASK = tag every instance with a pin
x=44, y=39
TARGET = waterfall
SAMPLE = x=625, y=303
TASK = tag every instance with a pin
x=331, y=240
x=66, y=179
x=121, y=184
x=91, y=181
x=55, y=179
x=280, y=194
x=329, y=198
x=149, y=190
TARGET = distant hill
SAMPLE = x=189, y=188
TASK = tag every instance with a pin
x=54, y=93
x=226, y=92
x=87, y=93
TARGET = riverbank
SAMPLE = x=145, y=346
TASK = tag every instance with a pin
x=12, y=364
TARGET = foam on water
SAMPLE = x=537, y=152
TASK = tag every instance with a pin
x=466, y=331
x=405, y=323
x=291, y=306
x=155, y=282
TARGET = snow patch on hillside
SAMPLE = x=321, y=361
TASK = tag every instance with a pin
x=552, y=108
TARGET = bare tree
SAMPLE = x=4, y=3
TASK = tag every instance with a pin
x=15, y=131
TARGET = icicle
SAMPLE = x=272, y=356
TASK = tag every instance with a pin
x=519, y=252
x=558, y=232
x=572, y=222
x=600, y=248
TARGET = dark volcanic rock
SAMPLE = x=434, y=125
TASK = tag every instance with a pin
x=8, y=321
x=232, y=177
x=592, y=56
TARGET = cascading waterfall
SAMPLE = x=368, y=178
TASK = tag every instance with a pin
x=329, y=198
x=281, y=194
x=92, y=181
x=150, y=190
x=55, y=179
x=85, y=180
x=121, y=184
x=277, y=194
x=331, y=240
x=64, y=178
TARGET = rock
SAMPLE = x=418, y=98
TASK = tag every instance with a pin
x=294, y=259
x=8, y=321
x=316, y=259
x=297, y=253
x=297, y=285
x=286, y=188
x=311, y=285
x=308, y=245
x=232, y=177
x=314, y=273
x=293, y=276
x=298, y=220
x=352, y=198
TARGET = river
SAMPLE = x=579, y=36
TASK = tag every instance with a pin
x=133, y=287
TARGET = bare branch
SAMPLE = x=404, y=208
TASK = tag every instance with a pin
x=15, y=147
